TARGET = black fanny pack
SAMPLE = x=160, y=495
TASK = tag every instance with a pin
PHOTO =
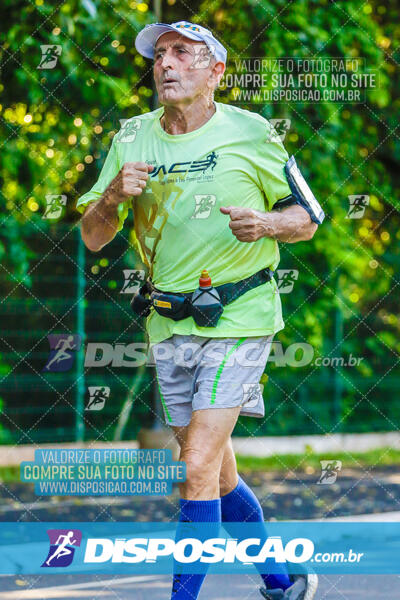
x=204, y=305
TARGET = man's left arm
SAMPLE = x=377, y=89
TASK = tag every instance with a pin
x=290, y=224
x=285, y=220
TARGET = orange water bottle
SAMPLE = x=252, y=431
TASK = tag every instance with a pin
x=206, y=303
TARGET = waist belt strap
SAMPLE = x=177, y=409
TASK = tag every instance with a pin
x=228, y=292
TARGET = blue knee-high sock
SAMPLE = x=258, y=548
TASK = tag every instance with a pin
x=242, y=505
x=186, y=586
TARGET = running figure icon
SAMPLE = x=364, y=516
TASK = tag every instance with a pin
x=62, y=346
x=62, y=549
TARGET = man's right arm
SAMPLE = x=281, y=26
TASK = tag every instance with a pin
x=99, y=223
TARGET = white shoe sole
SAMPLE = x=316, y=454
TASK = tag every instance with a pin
x=312, y=585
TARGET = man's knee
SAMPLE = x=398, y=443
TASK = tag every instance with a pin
x=201, y=468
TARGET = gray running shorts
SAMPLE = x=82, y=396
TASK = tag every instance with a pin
x=195, y=373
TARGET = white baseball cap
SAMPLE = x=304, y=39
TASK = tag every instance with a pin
x=147, y=38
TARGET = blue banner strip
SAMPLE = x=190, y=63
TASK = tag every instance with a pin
x=150, y=548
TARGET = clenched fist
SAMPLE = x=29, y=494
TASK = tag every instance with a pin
x=130, y=181
x=247, y=224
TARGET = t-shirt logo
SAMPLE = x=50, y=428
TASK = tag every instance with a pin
x=187, y=167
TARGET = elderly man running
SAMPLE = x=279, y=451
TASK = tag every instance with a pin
x=210, y=197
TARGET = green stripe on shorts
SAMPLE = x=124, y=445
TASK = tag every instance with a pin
x=165, y=407
x=221, y=367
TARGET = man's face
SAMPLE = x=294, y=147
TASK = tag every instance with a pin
x=183, y=69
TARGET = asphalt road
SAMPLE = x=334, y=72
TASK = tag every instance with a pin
x=215, y=587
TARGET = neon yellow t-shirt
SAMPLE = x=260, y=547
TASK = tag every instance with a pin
x=178, y=227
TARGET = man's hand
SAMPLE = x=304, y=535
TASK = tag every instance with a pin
x=247, y=224
x=130, y=181
x=291, y=224
x=100, y=221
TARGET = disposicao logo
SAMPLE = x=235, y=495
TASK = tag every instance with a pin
x=62, y=547
x=189, y=550
x=213, y=550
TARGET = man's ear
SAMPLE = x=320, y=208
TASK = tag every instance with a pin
x=217, y=72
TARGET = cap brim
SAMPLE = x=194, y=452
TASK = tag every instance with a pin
x=147, y=38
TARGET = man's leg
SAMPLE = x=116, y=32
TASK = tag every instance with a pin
x=203, y=450
x=232, y=380
x=228, y=478
x=240, y=504
x=225, y=384
x=203, y=444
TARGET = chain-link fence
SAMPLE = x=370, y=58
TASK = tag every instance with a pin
x=105, y=390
